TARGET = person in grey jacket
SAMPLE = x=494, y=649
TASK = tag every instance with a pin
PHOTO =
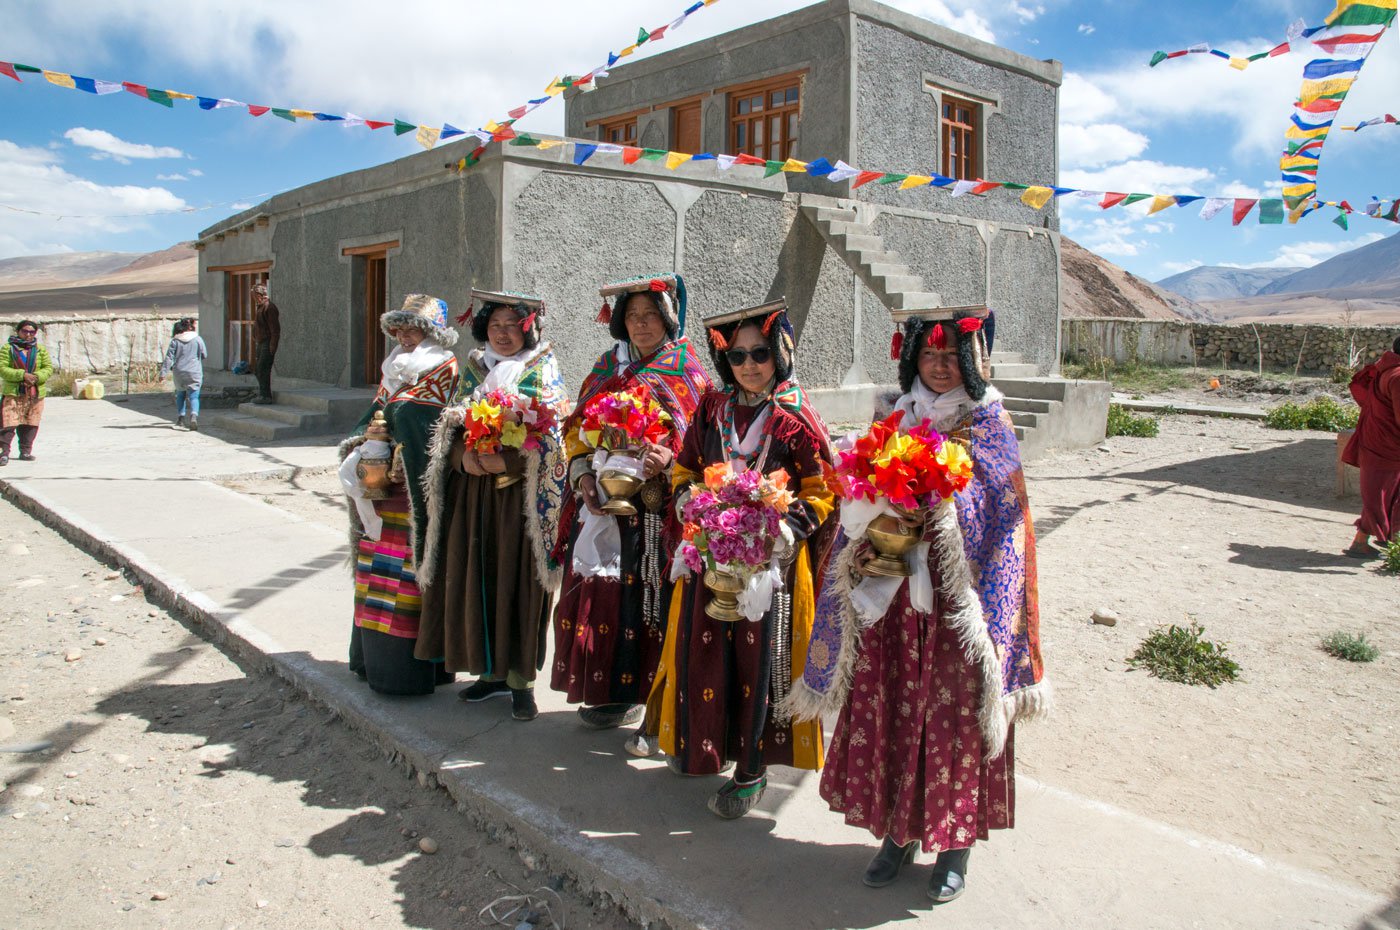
x=185, y=360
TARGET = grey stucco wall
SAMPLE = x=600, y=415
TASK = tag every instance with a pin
x=897, y=125
x=950, y=256
x=570, y=234
x=815, y=40
x=1025, y=295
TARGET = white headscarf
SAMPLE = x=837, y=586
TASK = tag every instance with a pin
x=923, y=403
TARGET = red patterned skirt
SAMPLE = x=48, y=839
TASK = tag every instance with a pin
x=907, y=759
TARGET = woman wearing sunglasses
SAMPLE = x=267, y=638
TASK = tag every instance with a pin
x=24, y=373
x=713, y=704
x=927, y=693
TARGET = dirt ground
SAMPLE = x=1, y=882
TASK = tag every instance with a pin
x=176, y=790
x=1236, y=526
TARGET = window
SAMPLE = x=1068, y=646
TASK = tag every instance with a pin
x=764, y=118
x=621, y=132
x=239, y=281
x=958, y=139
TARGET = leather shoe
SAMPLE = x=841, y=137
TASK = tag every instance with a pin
x=892, y=857
x=949, y=877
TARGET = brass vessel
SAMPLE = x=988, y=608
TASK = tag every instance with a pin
x=619, y=488
x=505, y=481
x=892, y=539
x=724, y=601
x=375, y=473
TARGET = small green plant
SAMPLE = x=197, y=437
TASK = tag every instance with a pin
x=60, y=383
x=1323, y=413
x=1123, y=422
x=1179, y=654
x=1168, y=411
x=1341, y=374
x=1354, y=647
x=1392, y=557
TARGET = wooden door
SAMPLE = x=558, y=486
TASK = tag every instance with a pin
x=375, y=271
x=238, y=315
x=685, y=128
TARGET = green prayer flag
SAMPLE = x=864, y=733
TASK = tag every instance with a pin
x=400, y=127
x=1271, y=211
x=1363, y=15
x=891, y=179
x=160, y=97
x=524, y=139
x=771, y=168
x=642, y=36
x=653, y=154
x=1157, y=59
x=1341, y=219
x=30, y=68
x=285, y=114
x=1013, y=186
x=1134, y=198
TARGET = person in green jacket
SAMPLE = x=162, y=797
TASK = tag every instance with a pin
x=24, y=375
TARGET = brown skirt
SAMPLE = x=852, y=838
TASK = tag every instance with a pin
x=21, y=411
x=484, y=612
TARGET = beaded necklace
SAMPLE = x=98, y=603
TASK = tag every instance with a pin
x=730, y=431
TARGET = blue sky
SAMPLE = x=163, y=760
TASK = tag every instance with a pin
x=1193, y=126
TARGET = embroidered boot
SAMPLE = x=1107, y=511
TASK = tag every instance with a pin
x=949, y=876
x=739, y=795
x=892, y=857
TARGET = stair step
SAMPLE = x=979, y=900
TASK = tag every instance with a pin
x=251, y=426
x=1038, y=388
x=888, y=269
x=1021, y=418
x=1021, y=432
x=1030, y=404
x=916, y=300
x=896, y=284
x=1009, y=358
x=849, y=228
x=836, y=214
x=1013, y=370
x=875, y=257
x=344, y=406
x=304, y=420
x=850, y=243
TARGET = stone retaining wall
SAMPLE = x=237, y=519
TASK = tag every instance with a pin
x=1314, y=348
x=100, y=343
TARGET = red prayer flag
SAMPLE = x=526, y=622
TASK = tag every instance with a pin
x=503, y=134
x=1111, y=199
x=1241, y=210
x=657, y=34
x=1283, y=48
x=137, y=89
x=518, y=112
x=747, y=159
x=377, y=123
x=983, y=186
x=630, y=154
x=8, y=70
x=865, y=177
x=255, y=110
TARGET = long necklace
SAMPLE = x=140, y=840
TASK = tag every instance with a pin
x=731, y=434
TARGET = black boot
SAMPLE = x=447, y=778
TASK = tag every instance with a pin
x=892, y=857
x=949, y=876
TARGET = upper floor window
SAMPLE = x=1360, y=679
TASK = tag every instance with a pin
x=764, y=118
x=620, y=131
x=959, y=139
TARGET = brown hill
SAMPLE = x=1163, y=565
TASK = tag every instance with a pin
x=167, y=280
x=1092, y=286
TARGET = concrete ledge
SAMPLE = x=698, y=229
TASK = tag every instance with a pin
x=1197, y=410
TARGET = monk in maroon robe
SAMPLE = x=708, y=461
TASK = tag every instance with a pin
x=1375, y=449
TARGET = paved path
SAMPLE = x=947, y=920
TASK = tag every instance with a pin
x=274, y=587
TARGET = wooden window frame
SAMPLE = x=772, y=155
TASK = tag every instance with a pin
x=239, y=281
x=607, y=124
x=962, y=131
x=370, y=249
x=741, y=124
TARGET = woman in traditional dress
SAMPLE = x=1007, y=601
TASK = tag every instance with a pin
x=609, y=624
x=1375, y=449
x=487, y=575
x=387, y=533
x=716, y=697
x=24, y=375
x=929, y=686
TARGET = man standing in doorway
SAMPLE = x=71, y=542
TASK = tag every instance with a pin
x=267, y=332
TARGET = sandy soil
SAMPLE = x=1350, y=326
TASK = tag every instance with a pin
x=1236, y=526
x=180, y=791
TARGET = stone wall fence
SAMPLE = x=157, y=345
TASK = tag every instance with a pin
x=1315, y=348
x=101, y=343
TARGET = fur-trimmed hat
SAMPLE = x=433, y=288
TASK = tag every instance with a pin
x=667, y=291
x=969, y=328
x=528, y=308
x=422, y=312
x=771, y=318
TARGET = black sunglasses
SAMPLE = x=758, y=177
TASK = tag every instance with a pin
x=759, y=355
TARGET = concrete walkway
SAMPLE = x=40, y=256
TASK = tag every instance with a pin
x=274, y=588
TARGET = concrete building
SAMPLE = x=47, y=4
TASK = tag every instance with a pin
x=843, y=79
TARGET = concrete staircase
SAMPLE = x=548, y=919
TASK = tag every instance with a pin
x=1050, y=413
x=882, y=270
x=299, y=412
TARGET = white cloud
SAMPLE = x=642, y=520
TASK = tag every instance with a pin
x=195, y=173
x=240, y=206
x=1086, y=29
x=1026, y=14
x=968, y=20
x=171, y=177
x=1172, y=268
x=1083, y=101
x=72, y=211
x=1098, y=144
x=1117, y=236
x=1140, y=176
x=107, y=145
x=1307, y=254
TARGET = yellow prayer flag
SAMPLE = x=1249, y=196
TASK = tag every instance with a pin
x=794, y=165
x=547, y=144
x=627, y=51
x=1161, y=202
x=1299, y=190
x=61, y=79
x=303, y=114
x=176, y=95
x=1036, y=197
x=1239, y=64
x=492, y=126
x=675, y=159
x=1344, y=5
x=1311, y=90
x=914, y=180
x=1298, y=161
x=427, y=135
